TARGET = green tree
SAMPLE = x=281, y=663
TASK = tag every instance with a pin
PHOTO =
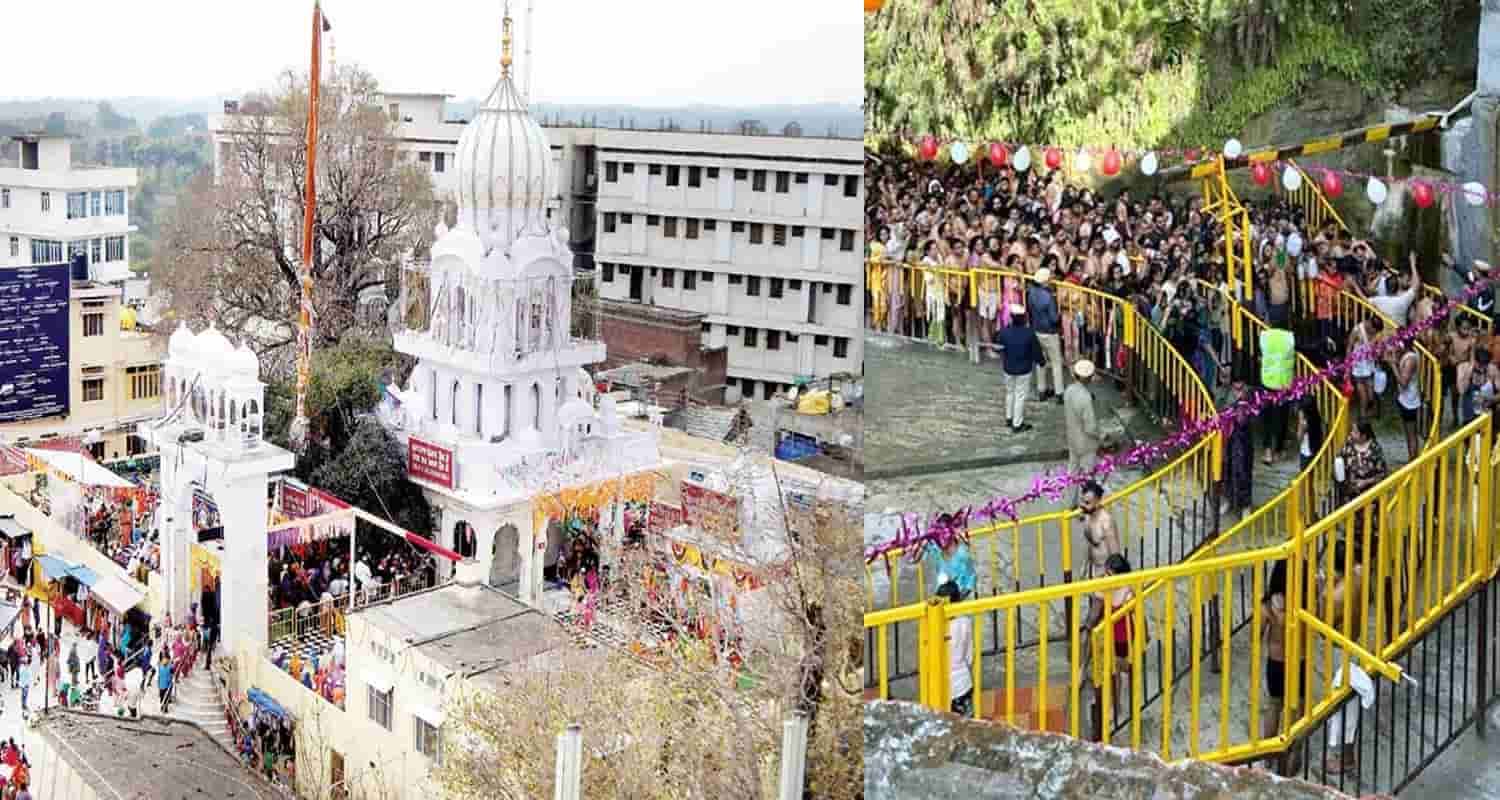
x=370, y=472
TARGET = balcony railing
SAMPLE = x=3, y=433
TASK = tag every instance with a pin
x=506, y=319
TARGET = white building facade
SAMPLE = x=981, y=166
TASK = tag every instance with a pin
x=52, y=209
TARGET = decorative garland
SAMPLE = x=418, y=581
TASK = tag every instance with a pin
x=1110, y=161
x=943, y=528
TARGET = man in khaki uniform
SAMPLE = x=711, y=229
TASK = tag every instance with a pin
x=1082, y=425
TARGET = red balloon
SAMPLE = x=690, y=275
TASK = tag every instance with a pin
x=1333, y=185
x=928, y=148
x=999, y=156
x=1260, y=173
x=1053, y=158
x=1111, y=163
x=1421, y=193
x=1192, y=154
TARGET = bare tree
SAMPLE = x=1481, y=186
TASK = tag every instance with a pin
x=674, y=713
x=231, y=251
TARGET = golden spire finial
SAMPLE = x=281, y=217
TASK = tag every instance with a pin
x=505, y=43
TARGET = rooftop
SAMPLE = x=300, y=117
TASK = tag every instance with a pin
x=148, y=757
x=476, y=630
x=638, y=374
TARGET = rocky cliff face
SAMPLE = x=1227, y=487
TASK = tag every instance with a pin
x=911, y=753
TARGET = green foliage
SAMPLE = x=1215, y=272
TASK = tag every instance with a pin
x=369, y=471
x=1140, y=73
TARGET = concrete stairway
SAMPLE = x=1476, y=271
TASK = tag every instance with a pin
x=198, y=702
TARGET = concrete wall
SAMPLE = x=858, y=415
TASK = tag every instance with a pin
x=53, y=775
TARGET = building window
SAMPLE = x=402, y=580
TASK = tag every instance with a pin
x=135, y=445
x=776, y=287
x=736, y=227
x=674, y=175
x=97, y=451
x=437, y=161
x=114, y=203
x=611, y=171
x=750, y=335
x=453, y=399
x=710, y=225
x=840, y=347
x=801, y=178
x=425, y=157
x=669, y=228
x=731, y=330
x=736, y=280
x=783, y=182
x=695, y=176
x=791, y=338
x=706, y=277
x=76, y=249
x=46, y=251
x=145, y=382
x=653, y=169
x=380, y=707
x=433, y=398
x=752, y=289
x=609, y=273
x=708, y=327
x=851, y=186
x=773, y=340
x=778, y=235
x=713, y=173
x=429, y=739
x=78, y=205
x=757, y=233
x=758, y=182
x=845, y=293
x=609, y=222
x=46, y=202
x=689, y=280
x=741, y=174
x=830, y=180
x=96, y=204
x=798, y=231
x=15, y=246
x=93, y=324
x=692, y=229
x=846, y=241
x=628, y=167
x=653, y=219
x=96, y=250
x=794, y=284
x=820, y=341
x=93, y=390
x=625, y=219
x=828, y=234
x=4, y=198
x=668, y=278
x=114, y=248
x=478, y=410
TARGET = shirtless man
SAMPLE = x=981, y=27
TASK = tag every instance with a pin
x=1098, y=530
x=1460, y=352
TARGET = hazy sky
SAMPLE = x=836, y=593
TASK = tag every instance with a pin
x=648, y=52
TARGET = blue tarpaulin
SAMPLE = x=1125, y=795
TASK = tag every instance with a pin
x=265, y=703
x=84, y=575
x=53, y=567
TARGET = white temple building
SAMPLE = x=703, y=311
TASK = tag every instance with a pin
x=499, y=409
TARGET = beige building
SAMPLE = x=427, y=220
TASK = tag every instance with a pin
x=114, y=377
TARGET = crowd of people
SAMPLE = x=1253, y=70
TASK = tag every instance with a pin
x=932, y=224
x=306, y=574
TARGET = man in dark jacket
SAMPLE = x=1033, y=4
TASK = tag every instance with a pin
x=1021, y=354
x=1047, y=323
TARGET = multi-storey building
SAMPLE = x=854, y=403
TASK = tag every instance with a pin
x=54, y=211
x=760, y=233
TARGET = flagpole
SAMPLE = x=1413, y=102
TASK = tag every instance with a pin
x=310, y=204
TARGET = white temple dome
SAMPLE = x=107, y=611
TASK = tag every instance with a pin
x=505, y=172
x=214, y=349
x=181, y=345
x=244, y=362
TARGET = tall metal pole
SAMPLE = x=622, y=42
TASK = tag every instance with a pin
x=568, y=780
x=309, y=215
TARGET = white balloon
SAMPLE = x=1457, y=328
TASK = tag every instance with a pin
x=959, y=152
x=1022, y=159
x=1475, y=193
x=1375, y=191
x=1233, y=148
x=1148, y=164
x=1291, y=179
x=1081, y=162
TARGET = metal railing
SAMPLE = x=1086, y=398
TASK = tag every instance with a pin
x=1316, y=209
x=327, y=615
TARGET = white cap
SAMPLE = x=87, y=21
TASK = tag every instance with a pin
x=1018, y=310
x=1042, y=275
x=1084, y=368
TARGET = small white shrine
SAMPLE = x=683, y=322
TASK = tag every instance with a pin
x=499, y=408
x=211, y=438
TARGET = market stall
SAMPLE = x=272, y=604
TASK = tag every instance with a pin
x=270, y=742
x=112, y=602
x=601, y=515
x=63, y=585
x=15, y=553
x=94, y=504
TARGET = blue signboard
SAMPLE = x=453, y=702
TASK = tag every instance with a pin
x=34, y=322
